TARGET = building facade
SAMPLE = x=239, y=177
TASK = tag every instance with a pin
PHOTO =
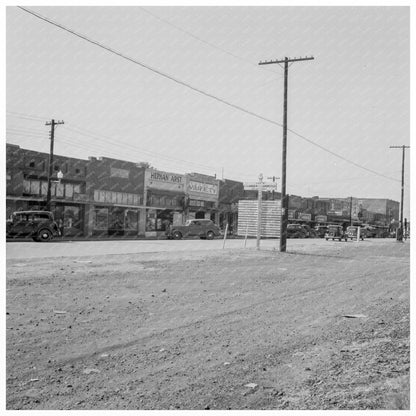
x=115, y=198
x=202, y=193
x=111, y=197
x=164, y=199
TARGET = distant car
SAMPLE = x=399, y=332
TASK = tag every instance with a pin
x=321, y=230
x=201, y=228
x=336, y=232
x=296, y=231
x=39, y=225
x=310, y=232
x=370, y=232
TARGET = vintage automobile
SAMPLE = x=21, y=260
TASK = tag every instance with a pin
x=335, y=232
x=296, y=231
x=38, y=225
x=321, y=230
x=204, y=229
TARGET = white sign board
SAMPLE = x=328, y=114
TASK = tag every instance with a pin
x=254, y=186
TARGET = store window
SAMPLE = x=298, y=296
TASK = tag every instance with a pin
x=69, y=190
x=100, y=219
x=158, y=220
x=151, y=220
x=120, y=198
x=131, y=220
x=44, y=188
x=116, y=219
x=72, y=219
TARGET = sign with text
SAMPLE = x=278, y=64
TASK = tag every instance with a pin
x=254, y=186
x=164, y=180
x=203, y=188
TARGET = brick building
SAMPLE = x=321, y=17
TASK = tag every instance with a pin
x=105, y=197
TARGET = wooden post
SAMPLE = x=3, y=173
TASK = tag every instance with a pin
x=225, y=236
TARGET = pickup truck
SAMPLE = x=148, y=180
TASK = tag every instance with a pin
x=204, y=229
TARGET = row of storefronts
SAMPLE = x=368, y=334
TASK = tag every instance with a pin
x=110, y=197
x=103, y=196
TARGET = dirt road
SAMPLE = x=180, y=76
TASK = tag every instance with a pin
x=235, y=329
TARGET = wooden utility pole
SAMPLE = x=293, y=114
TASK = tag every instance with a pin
x=284, y=199
x=400, y=234
x=51, y=123
x=259, y=197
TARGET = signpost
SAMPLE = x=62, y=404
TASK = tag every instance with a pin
x=259, y=187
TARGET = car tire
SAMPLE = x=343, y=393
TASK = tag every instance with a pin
x=177, y=235
x=35, y=239
x=44, y=235
x=210, y=235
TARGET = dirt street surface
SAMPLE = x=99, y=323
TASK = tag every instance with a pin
x=323, y=326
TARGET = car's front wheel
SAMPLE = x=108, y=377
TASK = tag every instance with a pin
x=210, y=235
x=44, y=235
x=177, y=235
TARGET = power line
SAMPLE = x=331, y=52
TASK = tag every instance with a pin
x=209, y=95
x=151, y=153
x=200, y=39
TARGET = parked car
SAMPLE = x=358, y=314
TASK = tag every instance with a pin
x=296, y=231
x=39, y=225
x=370, y=232
x=321, y=230
x=310, y=232
x=352, y=231
x=336, y=232
x=201, y=228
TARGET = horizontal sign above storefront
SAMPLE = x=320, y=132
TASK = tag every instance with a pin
x=321, y=218
x=164, y=180
x=203, y=188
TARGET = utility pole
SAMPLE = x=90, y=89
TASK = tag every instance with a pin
x=259, y=197
x=284, y=199
x=400, y=234
x=350, y=210
x=51, y=123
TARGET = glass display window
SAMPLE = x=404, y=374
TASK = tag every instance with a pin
x=100, y=219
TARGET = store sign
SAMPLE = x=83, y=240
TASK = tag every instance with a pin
x=164, y=180
x=321, y=218
x=203, y=188
x=305, y=217
x=166, y=177
x=119, y=173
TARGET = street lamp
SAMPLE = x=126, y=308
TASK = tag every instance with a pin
x=59, y=175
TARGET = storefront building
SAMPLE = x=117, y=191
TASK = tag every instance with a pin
x=115, y=190
x=27, y=187
x=201, y=200
x=164, y=200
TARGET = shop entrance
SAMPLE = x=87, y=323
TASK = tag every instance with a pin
x=200, y=215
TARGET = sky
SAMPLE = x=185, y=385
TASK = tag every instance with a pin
x=191, y=96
